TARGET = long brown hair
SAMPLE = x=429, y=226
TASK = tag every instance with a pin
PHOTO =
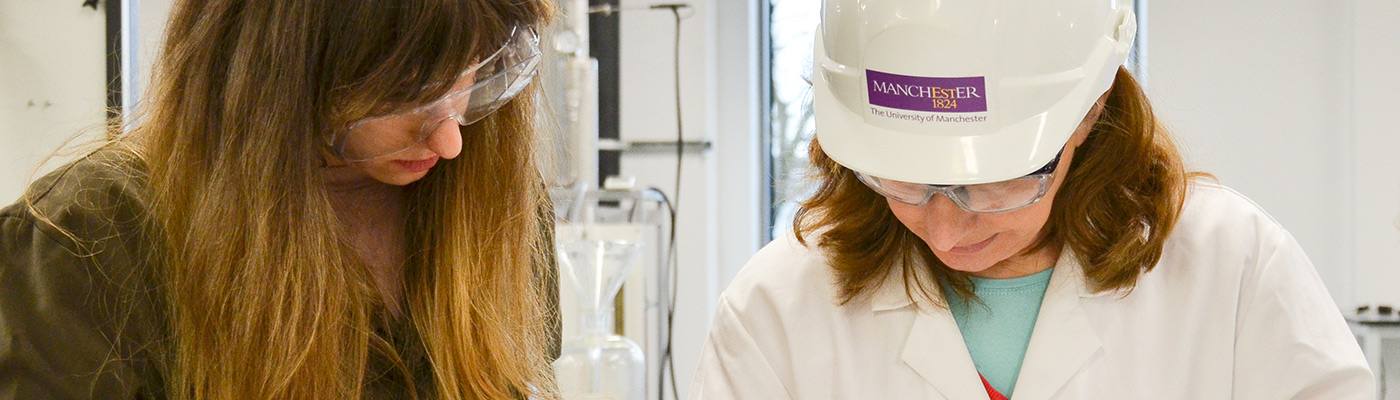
x=266, y=298
x=1115, y=209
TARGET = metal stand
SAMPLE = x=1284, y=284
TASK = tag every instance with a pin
x=1371, y=332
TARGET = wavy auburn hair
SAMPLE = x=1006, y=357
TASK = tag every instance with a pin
x=1116, y=207
x=266, y=298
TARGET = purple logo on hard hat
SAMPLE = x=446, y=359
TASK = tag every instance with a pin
x=918, y=93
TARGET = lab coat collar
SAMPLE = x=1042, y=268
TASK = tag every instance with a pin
x=891, y=293
x=935, y=350
x=1069, y=274
x=1062, y=341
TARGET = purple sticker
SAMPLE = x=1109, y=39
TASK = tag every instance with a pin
x=918, y=93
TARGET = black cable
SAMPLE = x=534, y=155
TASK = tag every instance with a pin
x=672, y=260
x=667, y=362
x=668, y=356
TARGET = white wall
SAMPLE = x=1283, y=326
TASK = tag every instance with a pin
x=1288, y=101
x=1376, y=162
x=1376, y=151
x=1257, y=92
x=51, y=55
x=151, y=18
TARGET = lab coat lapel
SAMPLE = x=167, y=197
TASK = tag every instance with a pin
x=1063, y=341
x=934, y=348
x=936, y=351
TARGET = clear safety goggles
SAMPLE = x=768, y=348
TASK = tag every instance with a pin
x=496, y=80
x=982, y=198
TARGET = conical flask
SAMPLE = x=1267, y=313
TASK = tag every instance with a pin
x=596, y=363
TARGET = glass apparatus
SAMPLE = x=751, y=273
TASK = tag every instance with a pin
x=598, y=364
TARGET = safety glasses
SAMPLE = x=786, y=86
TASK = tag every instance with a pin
x=983, y=198
x=494, y=82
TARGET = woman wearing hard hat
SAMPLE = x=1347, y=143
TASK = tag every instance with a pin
x=999, y=213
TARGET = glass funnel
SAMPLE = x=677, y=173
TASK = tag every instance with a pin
x=598, y=364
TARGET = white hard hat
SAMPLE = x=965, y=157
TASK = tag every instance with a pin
x=961, y=91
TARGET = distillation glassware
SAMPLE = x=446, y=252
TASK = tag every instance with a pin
x=598, y=364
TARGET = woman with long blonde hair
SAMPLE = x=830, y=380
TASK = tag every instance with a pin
x=316, y=200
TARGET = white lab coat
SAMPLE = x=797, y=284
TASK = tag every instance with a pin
x=1234, y=310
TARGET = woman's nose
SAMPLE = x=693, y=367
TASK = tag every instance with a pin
x=446, y=139
x=945, y=223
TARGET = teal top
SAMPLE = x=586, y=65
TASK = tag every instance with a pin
x=998, y=331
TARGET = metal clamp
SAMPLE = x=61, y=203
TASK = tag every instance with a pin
x=689, y=146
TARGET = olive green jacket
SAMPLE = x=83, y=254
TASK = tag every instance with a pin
x=83, y=316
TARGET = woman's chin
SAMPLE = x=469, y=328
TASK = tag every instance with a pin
x=392, y=175
x=402, y=179
x=964, y=264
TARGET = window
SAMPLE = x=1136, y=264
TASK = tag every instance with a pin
x=792, y=26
